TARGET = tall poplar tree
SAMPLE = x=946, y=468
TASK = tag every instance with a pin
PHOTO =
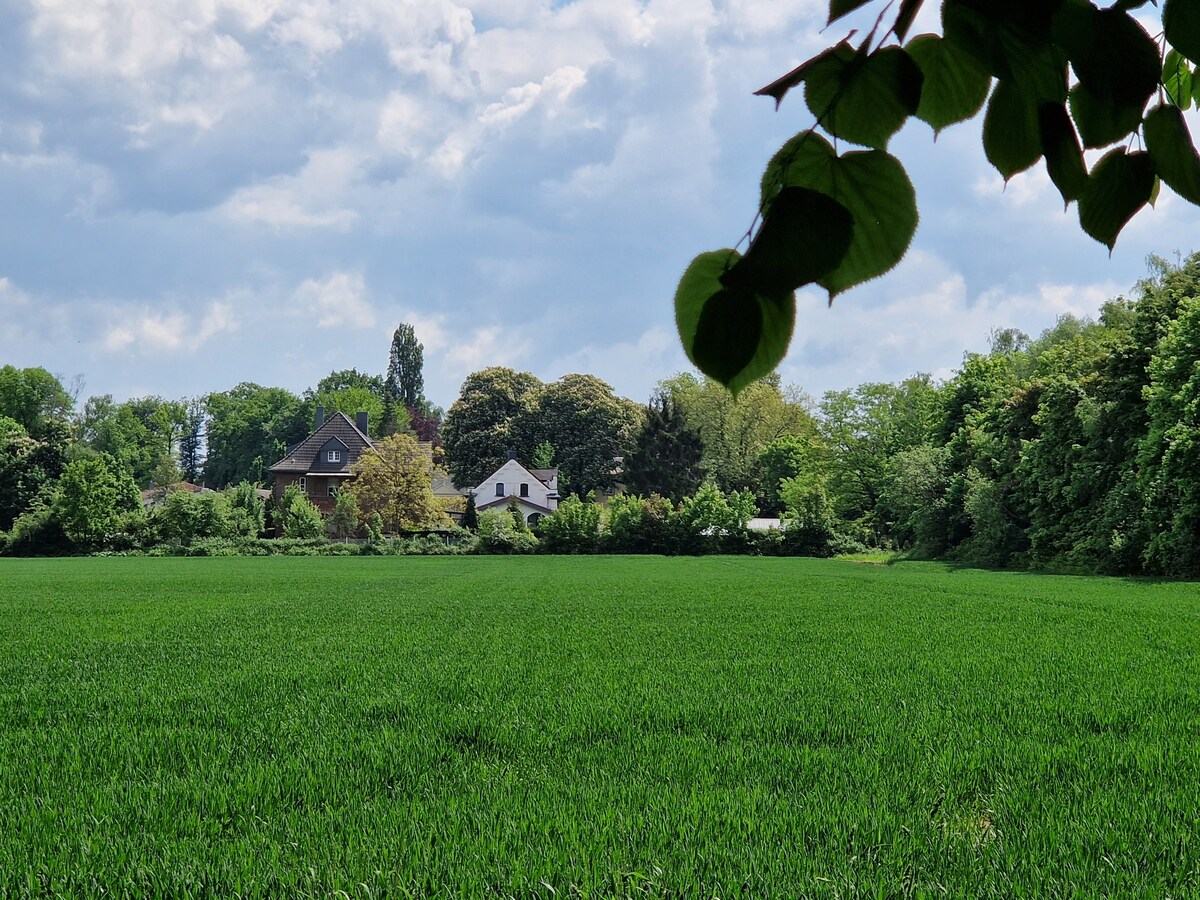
x=405, y=378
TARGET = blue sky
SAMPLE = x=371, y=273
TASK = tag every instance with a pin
x=195, y=193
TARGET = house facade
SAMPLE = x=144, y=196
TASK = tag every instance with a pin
x=535, y=490
x=321, y=463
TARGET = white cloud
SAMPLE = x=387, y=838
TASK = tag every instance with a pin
x=340, y=300
x=490, y=345
x=146, y=331
x=629, y=366
x=308, y=199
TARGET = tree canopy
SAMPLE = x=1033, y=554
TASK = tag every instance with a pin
x=1058, y=78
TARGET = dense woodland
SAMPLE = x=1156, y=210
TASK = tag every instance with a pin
x=1077, y=450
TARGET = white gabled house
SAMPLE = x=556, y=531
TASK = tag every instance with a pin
x=535, y=490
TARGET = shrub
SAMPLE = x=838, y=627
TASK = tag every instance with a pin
x=572, y=528
x=498, y=534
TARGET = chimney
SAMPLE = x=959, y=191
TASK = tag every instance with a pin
x=320, y=417
x=360, y=419
x=512, y=454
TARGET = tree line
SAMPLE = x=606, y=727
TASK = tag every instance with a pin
x=1077, y=450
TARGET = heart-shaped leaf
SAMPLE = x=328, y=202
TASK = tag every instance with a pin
x=1012, y=140
x=804, y=235
x=1064, y=156
x=1100, y=123
x=1111, y=53
x=872, y=185
x=1120, y=184
x=1177, y=79
x=731, y=334
x=955, y=85
x=864, y=99
x=1170, y=146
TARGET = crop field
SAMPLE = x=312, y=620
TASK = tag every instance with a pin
x=593, y=727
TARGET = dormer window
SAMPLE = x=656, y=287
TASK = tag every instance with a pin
x=524, y=490
x=334, y=455
x=500, y=489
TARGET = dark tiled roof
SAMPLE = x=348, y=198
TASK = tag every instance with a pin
x=306, y=456
x=545, y=476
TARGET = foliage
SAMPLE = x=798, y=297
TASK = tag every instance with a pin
x=470, y=519
x=249, y=428
x=543, y=455
x=1068, y=77
x=789, y=456
x=299, y=518
x=711, y=521
x=587, y=425
x=499, y=534
x=394, y=482
x=405, y=382
x=343, y=521
x=95, y=495
x=144, y=434
x=28, y=467
x=809, y=522
x=572, y=528
x=484, y=423
x=666, y=453
x=186, y=517
x=735, y=431
x=33, y=398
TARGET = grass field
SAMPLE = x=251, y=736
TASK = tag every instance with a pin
x=594, y=727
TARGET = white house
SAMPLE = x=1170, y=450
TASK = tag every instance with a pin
x=536, y=490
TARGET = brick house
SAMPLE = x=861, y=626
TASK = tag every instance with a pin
x=321, y=462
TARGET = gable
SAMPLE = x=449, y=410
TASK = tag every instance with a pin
x=339, y=433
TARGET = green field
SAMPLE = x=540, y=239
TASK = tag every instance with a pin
x=594, y=727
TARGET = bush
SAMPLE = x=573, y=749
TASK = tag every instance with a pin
x=498, y=534
x=572, y=528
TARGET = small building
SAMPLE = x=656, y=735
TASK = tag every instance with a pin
x=535, y=490
x=321, y=463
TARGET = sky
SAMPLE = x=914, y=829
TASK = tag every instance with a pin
x=197, y=193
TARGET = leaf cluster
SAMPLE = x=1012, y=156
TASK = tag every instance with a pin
x=1054, y=79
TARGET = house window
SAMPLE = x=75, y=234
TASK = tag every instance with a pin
x=335, y=456
x=524, y=490
x=333, y=489
x=500, y=489
x=303, y=485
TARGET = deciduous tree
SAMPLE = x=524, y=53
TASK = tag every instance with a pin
x=394, y=482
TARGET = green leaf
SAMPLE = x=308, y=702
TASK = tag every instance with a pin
x=1012, y=140
x=1011, y=40
x=731, y=334
x=804, y=235
x=864, y=99
x=955, y=85
x=1111, y=53
x=872, y=185
x=1169, y=144
x=1120, y=184
x=839, y=8
x=1181, y=24
x=1099, y=123
x=1064, y=156
x=1177, y=80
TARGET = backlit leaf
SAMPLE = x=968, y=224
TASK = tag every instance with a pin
x=1099, y=123
x=1181, y=23
x=1011, y=138
x=1110, y=52
x=1064, y=156
x=904, y=18
x=955, y=85
x=1170, y=146
x=1177, y=79
x=871, y=185
x=864, y=99
x=804, y=235
x=731, y=334
x=1120, y=184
